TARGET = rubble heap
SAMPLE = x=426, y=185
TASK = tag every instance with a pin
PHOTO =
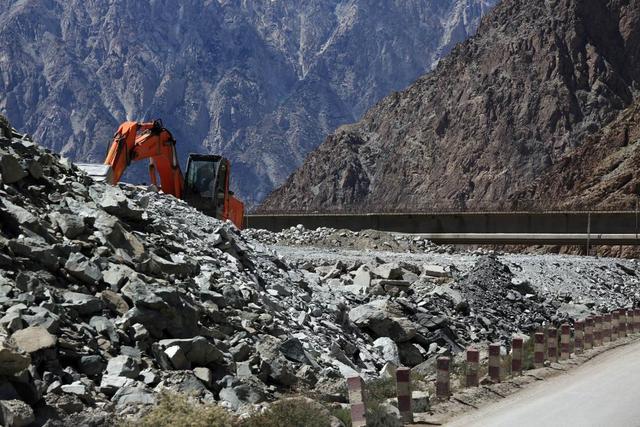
x=109, y=295
x=347, y=239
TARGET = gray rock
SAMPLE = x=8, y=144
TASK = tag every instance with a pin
x=71, y=226
x=390, y=271
x=205, y=375
x=137, y=395
x=198, y=350
x=293, y=350
x=91, y=365
x=15, y=413
x=82, y=269
x=33, y=339
x=241, y=395
x=11, y=170
x=383, y=319
x=82, y=303
x=410, y=354
x=436, y=270
x=105, y=327
x=177, y=358
x=389, y=350
x=12, y=360
x=76, y=388
x=123, y=366
x=114, y=301
x=110, y=384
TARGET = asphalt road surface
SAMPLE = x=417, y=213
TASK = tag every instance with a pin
x=602, y=392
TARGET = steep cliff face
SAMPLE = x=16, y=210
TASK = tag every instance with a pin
x=497, y=113
x=603, y=173
x=260, y=81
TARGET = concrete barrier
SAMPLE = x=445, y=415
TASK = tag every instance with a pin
x=588, y=333
x=403, y=392
x=494, y=362
x=615, y=322
x=473, y=365
x=443, y=388
x=579, y=340
x=606, y=328
x=552, y=344
x=355, y=387
x=517, y=355
x=538, y=349
x=565, y=341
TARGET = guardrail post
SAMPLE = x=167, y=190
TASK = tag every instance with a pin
x=588, y=333
x=355, y=387
x=579, y=341
x=636, y=315
x=494, y=362
x=443, y=389
x=606, y=328
x=565, y=341
x=517, y=353
x=552, y=344
x=473, y=362
x=538, y=349
x=403, y=391
x=615, y=322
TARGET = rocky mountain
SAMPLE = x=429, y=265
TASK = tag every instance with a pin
x=603, y=173
x=260, y=81
x=501, y=110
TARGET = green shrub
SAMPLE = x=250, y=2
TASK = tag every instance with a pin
x=380, y=389
x=343, y=414
x=176, y=410
x=297, y=412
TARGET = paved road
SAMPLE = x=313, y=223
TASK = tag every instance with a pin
x=604, y=392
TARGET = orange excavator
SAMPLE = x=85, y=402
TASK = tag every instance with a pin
x=205, y=186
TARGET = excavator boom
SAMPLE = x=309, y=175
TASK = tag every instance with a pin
x=137, y=141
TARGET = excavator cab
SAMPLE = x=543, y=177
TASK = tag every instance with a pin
x=207, y=188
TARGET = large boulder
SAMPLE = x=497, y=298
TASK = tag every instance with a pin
x=12, y=359
x=383, y=319
x=33, y=339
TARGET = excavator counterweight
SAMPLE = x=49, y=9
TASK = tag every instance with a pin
x=208, y=176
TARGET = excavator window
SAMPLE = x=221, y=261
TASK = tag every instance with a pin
x=205, y=184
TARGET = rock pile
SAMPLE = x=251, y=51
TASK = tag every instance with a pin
x=347, y=239
x=109, y=295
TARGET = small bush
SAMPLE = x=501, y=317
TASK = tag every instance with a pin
x=176, y=410
x=380, y=389
x=298, y=412
x=343, y=414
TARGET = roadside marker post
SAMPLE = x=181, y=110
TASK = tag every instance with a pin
x=443, y=389
x=606, y=332
x=565, y=341
x=631, y=321
x=637, y=317
x=552, y=344
x=538, y=349
x=622, y=325
x=473, y=363
x=588, y=333
x=494, y=362
x=615, y=322
x=355, y=387
x=517, y=346
x=579, y=347
x=597, y=331
x=403, y=391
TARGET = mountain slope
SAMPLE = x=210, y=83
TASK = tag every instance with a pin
x=501, y=109
x=259, y=81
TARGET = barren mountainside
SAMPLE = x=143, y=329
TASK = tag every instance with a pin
x=261, y=82
x=504, y=107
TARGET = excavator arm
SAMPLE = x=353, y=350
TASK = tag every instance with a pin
x=136, y=141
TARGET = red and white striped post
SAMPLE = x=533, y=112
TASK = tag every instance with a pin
x=588, y=333
x=615, y=325
x=552, y=344
x=538, y=349
x=631, y=321
x=606, y=328
x=597, y=331
x=443, y=389
x=494, y=362
x=636, y=315
x=579, y=326
x=622, y=326
x=473, y=363
x=565, y=341
x=403, y=391
x=517, y=354
x=355, y=387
